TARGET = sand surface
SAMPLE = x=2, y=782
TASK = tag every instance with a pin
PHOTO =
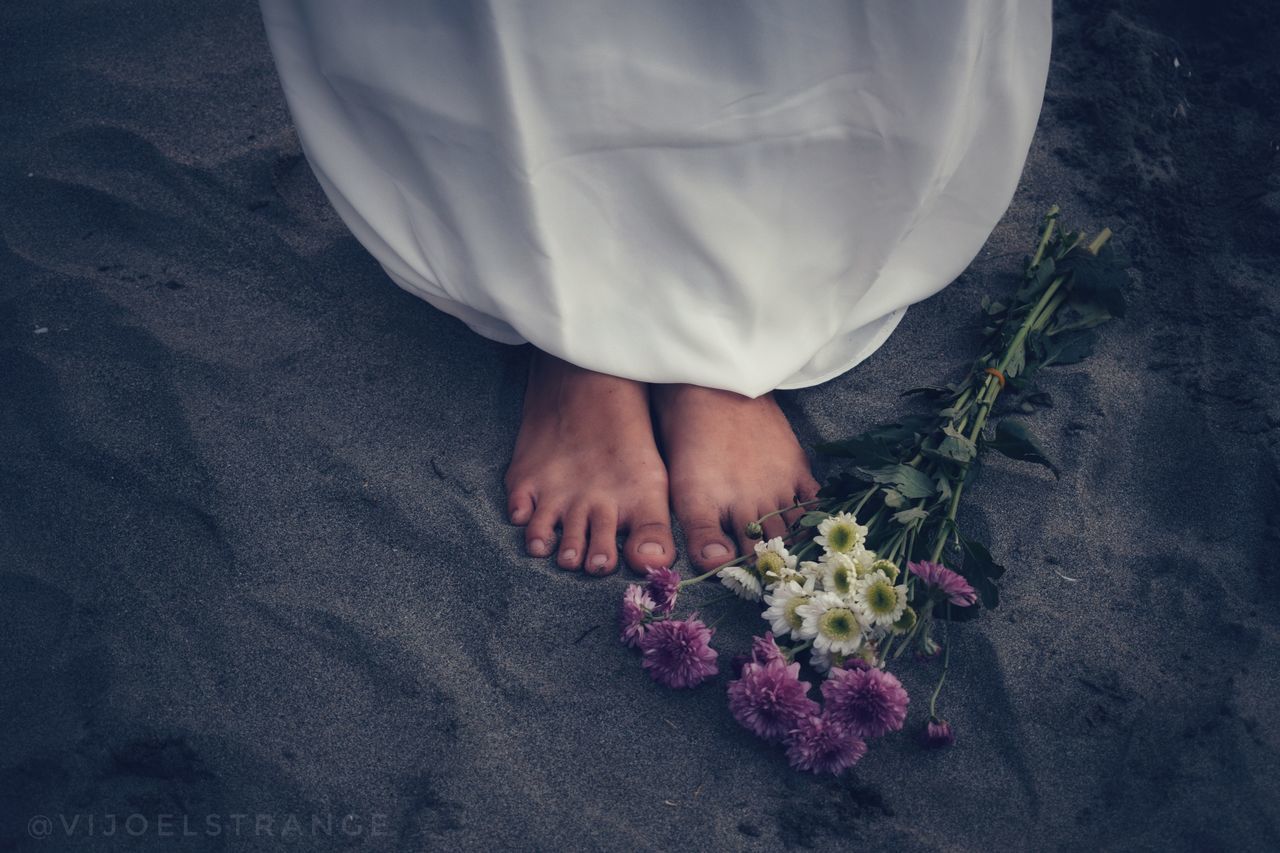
x=252, y=550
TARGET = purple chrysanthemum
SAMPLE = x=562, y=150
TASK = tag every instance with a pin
x=953, y=588
x=819, y=744
x=770, y=699
x=765, y=649
x=678, y=653
x=869, y=702
x=937, y=734
x=636, y=605
x=664, y=585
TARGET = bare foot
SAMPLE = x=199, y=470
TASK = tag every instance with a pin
x=731, y=460
x=586, y=462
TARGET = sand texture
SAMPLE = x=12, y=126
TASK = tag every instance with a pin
x=253, y=557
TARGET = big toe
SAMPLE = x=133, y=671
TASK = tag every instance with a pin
x=705, y=540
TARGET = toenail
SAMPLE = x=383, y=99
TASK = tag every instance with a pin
x=599, y=560
x=538, y=546
x=651, y=548
x=569, y=554
x=715, y=550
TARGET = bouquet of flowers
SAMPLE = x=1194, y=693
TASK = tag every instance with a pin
x=877, y=565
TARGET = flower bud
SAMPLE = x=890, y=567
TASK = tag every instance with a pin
x=928, y=649
x=755, y=531
x=937, y=734
x=889, y=567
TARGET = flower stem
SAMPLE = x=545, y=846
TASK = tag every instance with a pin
x=991, y=388
x=718, y=599
x=866, y=496
x=792, y=651
x=1052, y=217
x=705, y=576
x=800, y=505
x=946, y=666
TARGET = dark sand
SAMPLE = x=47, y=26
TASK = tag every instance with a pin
x=251, y=538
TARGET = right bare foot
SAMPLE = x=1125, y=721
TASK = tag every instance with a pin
x=732, y=460
x=586, y=461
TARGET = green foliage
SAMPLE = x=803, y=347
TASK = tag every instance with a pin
x=907, y=481
x=981, y=570
x=906, y=477
x=1014, y=440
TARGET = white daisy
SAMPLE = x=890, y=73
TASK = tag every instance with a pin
x=831, y=623
x=742, y=582
x=783, y=601
x=865, y=560
x=812, y=571
x=839, y=574
x=840, y=533
x=878, y=601
x=774, y=562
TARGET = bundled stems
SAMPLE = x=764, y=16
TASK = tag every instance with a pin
x=1037, y=318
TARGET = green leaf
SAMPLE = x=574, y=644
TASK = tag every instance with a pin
x=1013, y=440
x=1068, y=347
x=909, y=515
x=881, y=445
x=865, y=450
x=981, y=570
x=927, y=391
x=1038, y=278
x=842, y=486
x=957, y=448
x=944, y=489
x=1097, y=278
x=812, y=519
x=909, y=482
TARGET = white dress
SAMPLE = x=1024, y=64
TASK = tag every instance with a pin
x=741, y=195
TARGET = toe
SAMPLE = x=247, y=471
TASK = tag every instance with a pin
x=791, y=516
x=705, y=542
x=540, y=535
x=807, y=488
x=741, y=516
x=649, y=543
x=573, y=539
x=774, y=525
x=520, y=505
x=602, y=553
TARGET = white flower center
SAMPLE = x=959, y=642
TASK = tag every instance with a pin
x=789, y=611
x=840, y=537
x=839, y=624
x=841, y=581
x=882, y=598
x=769, y=566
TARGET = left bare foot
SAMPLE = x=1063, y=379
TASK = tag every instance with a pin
x=585, y=462
x=730, y=460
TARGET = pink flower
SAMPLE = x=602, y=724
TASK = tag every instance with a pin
x=869, y=702
x=821, y=745
x=952, y=587
x=770, y=699
x=636, y=605
x=678, y=653
x=664, y=585
x=765, y=649
x=937, y=734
